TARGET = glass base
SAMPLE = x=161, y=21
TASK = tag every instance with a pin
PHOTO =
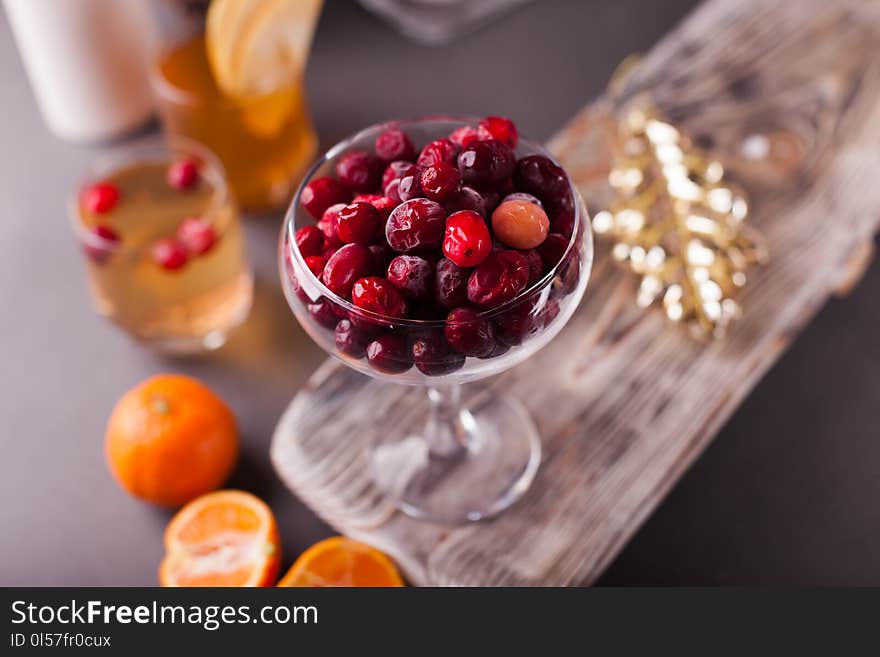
x=209, y=322
x=453, y=464
x=186, y=346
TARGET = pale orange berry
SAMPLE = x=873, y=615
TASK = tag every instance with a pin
x=520, y=224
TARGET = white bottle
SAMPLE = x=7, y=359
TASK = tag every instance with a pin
x=87, y=61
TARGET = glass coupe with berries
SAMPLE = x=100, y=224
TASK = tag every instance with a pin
x=164, y=245
x=437, y=252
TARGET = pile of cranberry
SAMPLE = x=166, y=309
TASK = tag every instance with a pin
x=445, y=234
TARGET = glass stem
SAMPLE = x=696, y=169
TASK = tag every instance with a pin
x=445, y=432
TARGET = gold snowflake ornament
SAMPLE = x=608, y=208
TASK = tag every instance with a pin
x=678, y=224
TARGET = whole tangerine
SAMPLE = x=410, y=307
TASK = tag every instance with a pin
x=171, y=439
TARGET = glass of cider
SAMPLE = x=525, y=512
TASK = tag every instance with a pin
x=265, y=140
x=164, y=245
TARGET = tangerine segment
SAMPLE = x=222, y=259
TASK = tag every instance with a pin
x=340, y=561
x=226, y=538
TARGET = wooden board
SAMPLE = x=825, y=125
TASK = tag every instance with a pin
x=624, y=400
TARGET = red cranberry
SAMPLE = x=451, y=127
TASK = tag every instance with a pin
x=439, y=181
x=552, y=249
x=183, y=174
x=101, y=248
x=196, y=235
x=310, y=241
x=291, y=273
x=394, y=144
x=369, y=326
x=525, y=320
x=411, y=275
x=382, y=203
x=321, y=193
x=105, y=233
x=568, y=274
x=561, y=212
x=358, y=222
x=466, y=240
x=536, y=265
x=377, y=295
x=450, y=284
x=433, y=356
x=316, y=264
x=563, y=222
x=485, y=164
x=505, y=188
x=339, y=311
x=396, y=169
x=347, y=265
x=382, y=255
x=100, y=197
x=549, y=312
x=322, y=312
x=500, y=128
x=541, y=176
x=410, y=184
x=468, y=334
x=360, y=171
x=350, y=340
x=439, y=150
x=502, y=276
x=499, y=350
x=329, y=225
x=523, y=196
x=169, y=254
x=561, y=201
x=392, y=191
x=385, y=206
x=416, y=224
x=491, y=199
x=467, y=198
x=295, y=285
x=517, y=324
x=465, y=136
x=389, y=353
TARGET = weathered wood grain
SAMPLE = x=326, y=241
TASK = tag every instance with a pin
x=623, y=399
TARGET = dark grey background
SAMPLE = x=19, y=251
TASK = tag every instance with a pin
x=787, y=494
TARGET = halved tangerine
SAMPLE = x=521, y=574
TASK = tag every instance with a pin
x=340, y=561
x=226, y=538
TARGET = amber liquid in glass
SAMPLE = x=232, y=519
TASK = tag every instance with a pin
x=265, y=142
x=184, y=309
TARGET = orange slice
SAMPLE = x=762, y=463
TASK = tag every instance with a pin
x=259, y=46
x=225, y=22
x=226, y=538
x=340, y=561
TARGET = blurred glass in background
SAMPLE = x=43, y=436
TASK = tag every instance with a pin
x=265, y=138
x=438, y=21
x=86, y=61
